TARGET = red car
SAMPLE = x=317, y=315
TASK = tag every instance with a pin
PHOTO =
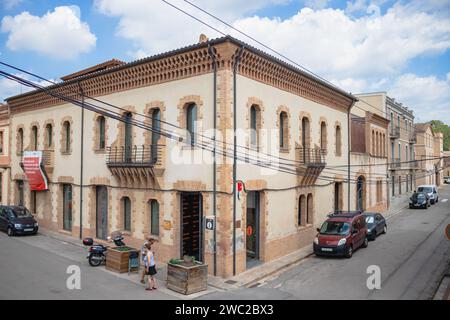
x=341, y=234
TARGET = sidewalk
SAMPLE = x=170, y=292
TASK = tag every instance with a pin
x=248, y=278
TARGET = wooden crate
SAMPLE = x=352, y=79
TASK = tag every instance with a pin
x=187, y=279
x=117, y=260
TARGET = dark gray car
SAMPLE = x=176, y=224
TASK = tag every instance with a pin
x=376, y=224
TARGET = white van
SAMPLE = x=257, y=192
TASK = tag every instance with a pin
x=431, y=190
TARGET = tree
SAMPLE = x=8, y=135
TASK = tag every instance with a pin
x=439, y=126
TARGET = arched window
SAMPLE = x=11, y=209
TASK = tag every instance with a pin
x=338, y=141
x=323, y=135
x=283, y=130
x=20, y=140
x=373, y=143
x=191, y=119
x=154, y=217
x=34, y=138
x=301, y=210
x=309, y=209
x=101, y=127
x=49, y=136
x=377, y=144
x=66, y=140
x=126, y=213
x=360, y=193
x=156, y=125
x=254, y=132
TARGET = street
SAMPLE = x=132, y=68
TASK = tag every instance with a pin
x=411, y=256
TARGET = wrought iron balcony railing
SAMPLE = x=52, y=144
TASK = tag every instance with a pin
x=394, y=132
x=134, y=156
x=395, y=163
x=311, y=156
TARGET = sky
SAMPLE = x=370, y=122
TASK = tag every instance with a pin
x=400, y=47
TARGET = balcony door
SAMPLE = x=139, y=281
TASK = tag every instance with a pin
x=305, y=138
x=128, y=137
x=156, y=125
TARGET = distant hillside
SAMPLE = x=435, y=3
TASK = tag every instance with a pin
x=445, y=129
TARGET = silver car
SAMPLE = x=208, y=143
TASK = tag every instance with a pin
x=431, y=190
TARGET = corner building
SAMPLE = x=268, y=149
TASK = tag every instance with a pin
x=132, y=179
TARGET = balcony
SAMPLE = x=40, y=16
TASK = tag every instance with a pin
x=394, y=132
x=136, y=161
x=394, y=164
x=414, y=164
x=310, y=163
x=412, y=137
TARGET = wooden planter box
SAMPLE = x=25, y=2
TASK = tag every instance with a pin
x=117, y=259
x=187, y=279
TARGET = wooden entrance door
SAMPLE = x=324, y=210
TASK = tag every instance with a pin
x=102, y=212
x=191, y=225
x=252, y=226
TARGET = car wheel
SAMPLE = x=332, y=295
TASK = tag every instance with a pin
x=10, y=232
x=385, y=229
x=366, y=242
x=410, y=206
x=349, y=252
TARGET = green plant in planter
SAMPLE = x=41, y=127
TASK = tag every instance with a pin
x=175, y=261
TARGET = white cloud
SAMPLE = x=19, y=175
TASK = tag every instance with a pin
x=337, y=46
x=9, y=88
x=153, y=26
x=59, y=34
x=9, y=4
x=428, y=96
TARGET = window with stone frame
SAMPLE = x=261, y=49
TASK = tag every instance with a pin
x=66, y=137
x=101, y=133
x=20, y=142
x=126, y=213
x=255, y=126
x=154, y=217
x=48, y=139
x=338, y=141
x=301, y=216
x=323, y=135
x=34, y=138
x=191, y=123
x=284, y=130
x=1, y=142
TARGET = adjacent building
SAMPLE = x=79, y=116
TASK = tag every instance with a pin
x=5, y=160
x=429, y=155
x=145, y=162
x=400, y=145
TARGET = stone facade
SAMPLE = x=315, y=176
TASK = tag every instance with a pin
x=287, y=213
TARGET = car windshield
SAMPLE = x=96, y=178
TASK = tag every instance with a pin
x=420, y=196
x=20, y=212
x=424, y=189
x=370, y=219
x=335, y=228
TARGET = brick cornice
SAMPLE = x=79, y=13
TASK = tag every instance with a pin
x=184, y=63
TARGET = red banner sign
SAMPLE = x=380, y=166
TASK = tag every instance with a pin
x=32, y=167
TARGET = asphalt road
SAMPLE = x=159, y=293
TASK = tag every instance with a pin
x=35, y=267
x=411, y=257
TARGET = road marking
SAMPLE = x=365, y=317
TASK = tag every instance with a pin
x=444, y=200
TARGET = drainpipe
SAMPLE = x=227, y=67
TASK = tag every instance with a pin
x=348, y=155
x=236, y=62
x=213, y=57
x=81, y=159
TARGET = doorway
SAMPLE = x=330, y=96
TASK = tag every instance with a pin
x=360, y=193
x=191, y=224
x=338, y=196
x=101, y=210
x=252, y=227
x=67, y=207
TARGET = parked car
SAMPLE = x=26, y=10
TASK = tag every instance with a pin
x=447, y=180
x=17, y=220
x=431, y=190
x=376, y=224
x=419, y=200
x=341, y=234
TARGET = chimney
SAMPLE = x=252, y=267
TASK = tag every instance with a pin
x=203, y=38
